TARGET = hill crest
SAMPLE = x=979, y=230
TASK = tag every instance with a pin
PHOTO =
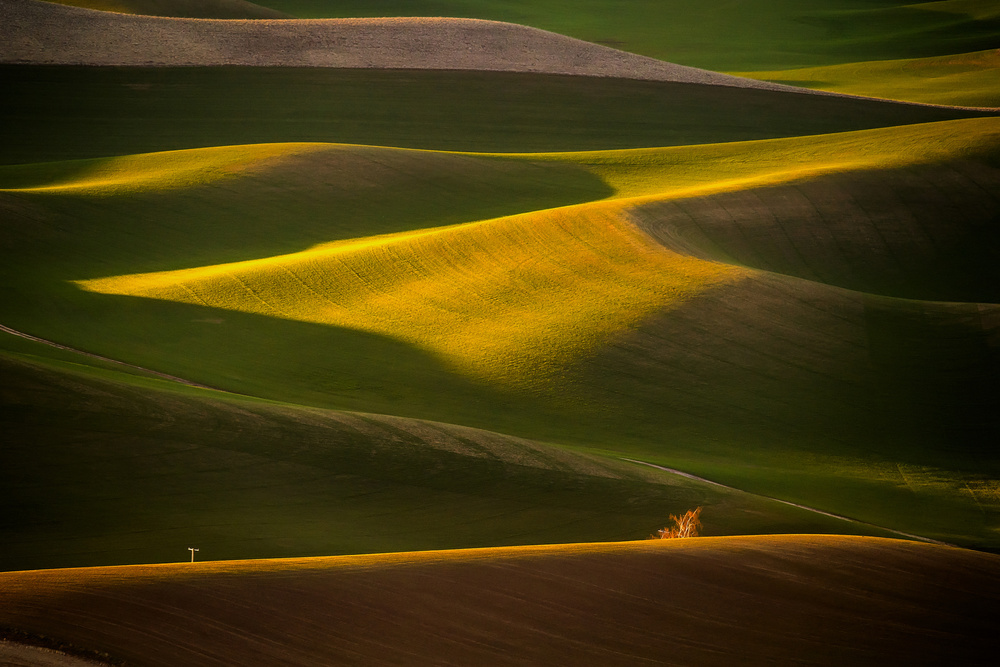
x=33, y=32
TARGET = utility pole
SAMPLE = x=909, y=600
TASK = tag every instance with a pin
x=192, y=550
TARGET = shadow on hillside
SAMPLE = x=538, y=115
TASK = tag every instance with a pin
x=122, y=110
x=929, y=232
x=786, y=363
x=303, y=201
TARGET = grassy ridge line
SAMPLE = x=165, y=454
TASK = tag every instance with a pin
x=580, y=270
x=507, y=301
x=311, y=196
x=671, y=172
x=965, y=79
x=120, y=111
x=106, y=360
x=586, y=603
x=921, y=231
x=786, y=502
x=685, y=171
x=784, y=376
x=246, y=478
x=151, y=171
x=786, y=361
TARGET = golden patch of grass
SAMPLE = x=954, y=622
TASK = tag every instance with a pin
x=677, y=171
x=964, y=79
x=513, y=300
x=688, y=171
x=160, y=171
x=508, y=300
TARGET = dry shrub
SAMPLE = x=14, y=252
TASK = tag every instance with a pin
x=685, y=525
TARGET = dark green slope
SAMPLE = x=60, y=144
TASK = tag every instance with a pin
x=56, y=113
x=929, y=232
x=99, y=467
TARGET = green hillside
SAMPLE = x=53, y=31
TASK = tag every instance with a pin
x=442, y=306
x=60, y=113
x=967, y=79
x=485, y=290
x=414, y=361
x=135, y=470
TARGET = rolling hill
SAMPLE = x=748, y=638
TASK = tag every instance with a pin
x=708, y=602
x=923, y=52
x=567, y=323
x=323, y=298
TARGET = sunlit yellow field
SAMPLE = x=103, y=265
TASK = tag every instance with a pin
x=664, y=172
x=685, y=171
x=508, y=300
x=158, y=171
x=963, y=79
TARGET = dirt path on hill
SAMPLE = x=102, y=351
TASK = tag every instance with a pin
x=172, y=378
x=688, y=475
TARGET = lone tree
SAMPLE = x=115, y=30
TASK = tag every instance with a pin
x=685, y=525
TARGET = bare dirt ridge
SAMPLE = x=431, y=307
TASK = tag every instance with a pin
x=15, y=654
x=706, y=601
x=33, y=32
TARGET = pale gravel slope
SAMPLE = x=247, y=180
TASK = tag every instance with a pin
x=45, y=33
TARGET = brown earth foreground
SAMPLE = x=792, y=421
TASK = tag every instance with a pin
x=33, y=32
x=734, y=600
x=13, y=654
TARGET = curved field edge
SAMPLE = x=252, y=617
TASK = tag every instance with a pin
x=823, y=335
x=119, y=111
x=248, y=478
x=674, y=171
x=963, y=79
x=829, y=599
x=62, y=35
x=51, y=34
x=785, y=34
x=567, y=279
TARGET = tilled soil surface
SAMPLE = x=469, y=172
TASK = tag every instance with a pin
x=13, y=654
x=45, y=33
x=705, y=601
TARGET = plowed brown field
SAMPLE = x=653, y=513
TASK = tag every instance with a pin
x=45, y=33
x=725, y=601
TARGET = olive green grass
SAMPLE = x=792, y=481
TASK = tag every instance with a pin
x=58, y=113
